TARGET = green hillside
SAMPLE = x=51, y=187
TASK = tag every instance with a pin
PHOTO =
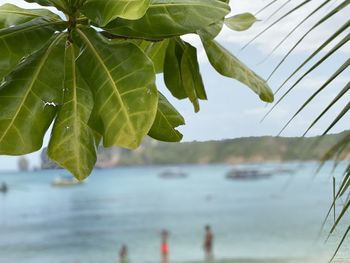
x=241, y=150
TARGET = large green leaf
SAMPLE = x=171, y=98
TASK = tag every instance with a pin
x=41, y=2
x=122, y=77
x=18, y=42
x=228, y=65
x=240, y=22
x=191, y=77
x=29, y=97
x=11, y=15
x=167, y=119
x=72, y=143
x=213, y=29
x=103, y=12
x=167, y=18
x=181, y=72
x=172, y=69
x=155, y=51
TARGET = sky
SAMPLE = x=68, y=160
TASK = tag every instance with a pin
x=233, y=110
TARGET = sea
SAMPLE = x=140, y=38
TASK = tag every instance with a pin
x=274, y=219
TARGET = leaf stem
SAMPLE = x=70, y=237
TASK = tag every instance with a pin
x=114, y=36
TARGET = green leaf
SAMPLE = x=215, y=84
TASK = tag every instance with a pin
x=172, y=69
x=18, y=42
x=212, y=30
x=155, y=51
x=11, y=15
x=40, y=2
x=240, y=22
x=191, y=77
x=168, y=18
x=167, y=119
x=72, y=143
x=215, y=28
x=29, y=97
x=103, y=12
x=228, y=65
x=122, y=77
x=59, y=4
x=181, y=72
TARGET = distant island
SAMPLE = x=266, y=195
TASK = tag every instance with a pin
x=232, y=151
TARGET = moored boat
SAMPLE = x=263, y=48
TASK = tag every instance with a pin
x=66, y=180
x=246, y=175
x=172, y=174
x=3, y=188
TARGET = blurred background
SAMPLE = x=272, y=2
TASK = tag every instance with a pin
x=261, y=207
x=261, y=196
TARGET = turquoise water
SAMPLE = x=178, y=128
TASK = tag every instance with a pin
x=276, y=218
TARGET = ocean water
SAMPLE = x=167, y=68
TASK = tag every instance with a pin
x=275, y=218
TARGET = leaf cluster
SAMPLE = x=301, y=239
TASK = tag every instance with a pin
x=92, y=75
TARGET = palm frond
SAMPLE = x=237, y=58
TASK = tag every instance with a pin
x=310, y=15
x=338, y=41
x=277, y=21
x=329, y=15
x=328, y=55
x=342, y=29
x=340, y=70
x=333, y=102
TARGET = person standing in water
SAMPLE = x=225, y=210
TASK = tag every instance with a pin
x=208, y=243
x=123, y=254
x=164, y=246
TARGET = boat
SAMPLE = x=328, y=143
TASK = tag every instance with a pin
x=284, y=171
x=65, y=180
x=172, y=174
x=246, y=175
x=3, y=188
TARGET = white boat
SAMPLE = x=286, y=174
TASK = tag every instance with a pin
x=246, y=175
x=66, y=180
x=172, y=174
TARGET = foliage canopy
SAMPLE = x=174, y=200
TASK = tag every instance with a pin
x=92, y=75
